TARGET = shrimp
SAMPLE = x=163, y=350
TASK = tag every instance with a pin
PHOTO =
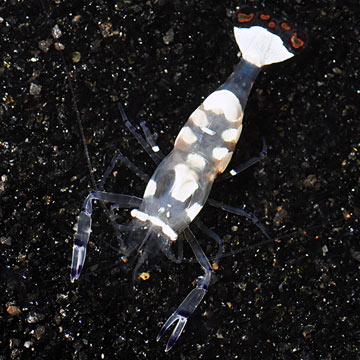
x=182, y=181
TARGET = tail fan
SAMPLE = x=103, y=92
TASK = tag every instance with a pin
x=263, y=40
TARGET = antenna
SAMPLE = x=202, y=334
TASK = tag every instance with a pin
x=56, y=34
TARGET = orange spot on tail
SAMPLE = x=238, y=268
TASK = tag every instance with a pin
x=245, y=18
x=285, y=26
x=264, y=16
x=295, y=41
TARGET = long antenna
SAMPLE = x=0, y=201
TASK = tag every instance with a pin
x=80, y=125
x=56, y=33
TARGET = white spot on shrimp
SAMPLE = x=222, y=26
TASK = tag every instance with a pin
x=231, y=135
x=196, y=161
x=185, y=183
x=150, y=188
x=223, y=155
x=193, y=210
x=227, y=102
x=166, y=229
x=208, y=131
x=219, y=153
x=137, y=214
x=187, y=135
x=156, y=221
x=198, y=117
x=225, y=162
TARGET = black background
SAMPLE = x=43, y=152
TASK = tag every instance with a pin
x=296, y=298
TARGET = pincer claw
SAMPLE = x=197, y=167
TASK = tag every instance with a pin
x=176, y=332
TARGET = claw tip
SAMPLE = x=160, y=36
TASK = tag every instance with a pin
x=74, y=274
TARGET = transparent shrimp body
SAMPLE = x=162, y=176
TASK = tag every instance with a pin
x=181, y=184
